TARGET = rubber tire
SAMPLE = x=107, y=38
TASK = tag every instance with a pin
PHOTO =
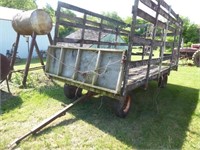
x=71, y=92
x=196, y=58
x=122, y=108
x=162, y=82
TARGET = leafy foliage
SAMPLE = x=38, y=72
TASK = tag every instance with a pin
x=190, y=31
x=112, y=15
x=142, y=26
x=19, y=4
x=50, y=11
x=63, y=30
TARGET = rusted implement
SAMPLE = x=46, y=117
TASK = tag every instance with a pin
x=5, y=69
x=38, y=21
x=49, y=120
x=192, y=52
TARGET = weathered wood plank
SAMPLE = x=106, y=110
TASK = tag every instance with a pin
x=144, y=41
x=151, y=19
x=56, y=33
x=154, y=7
x=165, y=5
x=68, y=6
x=69, y=40
x=64, y=16
x=76, y=25
x=137, y=76
x=139, y=63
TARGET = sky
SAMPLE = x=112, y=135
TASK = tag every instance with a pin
x=184, y=8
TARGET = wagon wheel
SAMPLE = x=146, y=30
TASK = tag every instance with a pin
x=196, y=58
x=123, y=106
x=162, y=82
x=72, y=92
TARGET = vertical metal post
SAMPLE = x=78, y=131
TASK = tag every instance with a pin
x=29, y=59
x=14, y=55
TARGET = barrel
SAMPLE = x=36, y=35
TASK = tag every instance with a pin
x=27, y=22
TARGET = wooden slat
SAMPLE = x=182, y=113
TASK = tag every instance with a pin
x=83, y=31
x=151, y=19
x=68, y=6
x=165, y=5
x=76, y=25
x=144, y=41
x=99, y=36
x=56, y=33
x=138, y=63
x=95, y=77
x=60, y=65
x=138, y=80
x=69, y=40
x=69, y=17
x=154, y=7
x=79, y=20
x=78, y=57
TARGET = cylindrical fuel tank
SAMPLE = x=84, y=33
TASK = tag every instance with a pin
x=27, y=22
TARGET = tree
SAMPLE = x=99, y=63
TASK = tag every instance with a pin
x=112, y=15
x=190, y=31
x=50, y=11
x=63, y=30
x=19, y=4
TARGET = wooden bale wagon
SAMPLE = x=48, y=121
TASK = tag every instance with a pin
x=114, y=68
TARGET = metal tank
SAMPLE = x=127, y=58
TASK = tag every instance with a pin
x=27, y=22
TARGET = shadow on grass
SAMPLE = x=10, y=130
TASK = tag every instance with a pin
x=8, y=102
x=159, y=118
x=49, y=129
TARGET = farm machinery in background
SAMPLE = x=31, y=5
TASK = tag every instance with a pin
x=192, y=52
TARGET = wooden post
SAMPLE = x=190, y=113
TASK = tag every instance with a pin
x=99, y=37
x=14, y=55
x=39, y=55
x=152, y=45
x=83, y=31
x=29, y=59
x=50, y=38
x=130, y=44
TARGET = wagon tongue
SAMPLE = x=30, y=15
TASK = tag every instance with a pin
x=49, y=120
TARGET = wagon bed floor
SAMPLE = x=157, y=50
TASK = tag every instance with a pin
x=137, y=75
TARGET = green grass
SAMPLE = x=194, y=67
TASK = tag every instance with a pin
x=159, y=118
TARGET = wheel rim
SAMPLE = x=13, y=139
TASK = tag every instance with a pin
x=127, y=104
